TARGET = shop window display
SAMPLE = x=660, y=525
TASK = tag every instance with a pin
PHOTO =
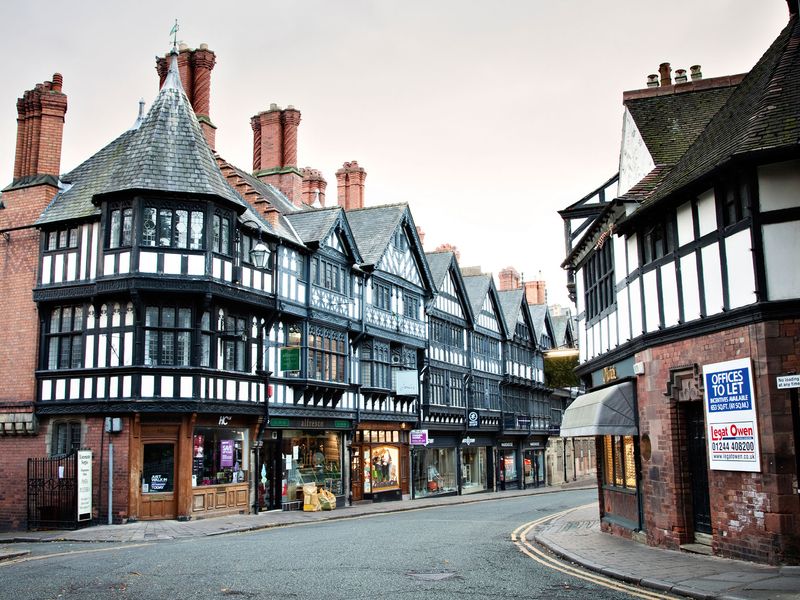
x=219, y=456
x=435, y=471
x=508, y=466
x=473, y=470
x=381, y=469
x=310, y=457
x=533, y=467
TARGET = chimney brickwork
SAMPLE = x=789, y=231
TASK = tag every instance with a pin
x=350, y=185
x=195, y=68
x=314, y=185
x=509, y=279
x=275, y=150
x=535, y=292
x=449, y=248
x=40, y=128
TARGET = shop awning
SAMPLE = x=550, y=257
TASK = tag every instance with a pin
x=610, y=411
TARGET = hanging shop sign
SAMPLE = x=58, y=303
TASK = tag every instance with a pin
x=732, y=434
x=418, y=437
x=84, y=485
x=407, y=382
x=290, y=359
x=473, y=419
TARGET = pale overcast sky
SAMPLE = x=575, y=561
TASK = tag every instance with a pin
x=486, y=117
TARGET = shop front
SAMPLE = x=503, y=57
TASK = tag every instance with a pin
x=533, y=463
x=435, y=467
x=508, y=465
x=299, y=451
x=379, y=462
x=475, y=456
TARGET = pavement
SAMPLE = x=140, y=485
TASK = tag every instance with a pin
x=574, y=536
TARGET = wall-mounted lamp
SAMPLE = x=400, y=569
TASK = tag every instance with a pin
x=259, y=254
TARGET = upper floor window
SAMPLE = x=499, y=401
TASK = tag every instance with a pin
x=381, y=296
x=399, y=240
x=447, y=334
x=167, y=336
x=326, y=354
x=328, y=274
x=657, y=241
x=411, y=304
x=232, y=337
x=172, y=228
x=733, y=196
x=62, y=239
x=221, y=239
x=485, y=346
x=598, y=280
x=66, y=437
x=65, y=338
x=376, y=366
x=120, y=223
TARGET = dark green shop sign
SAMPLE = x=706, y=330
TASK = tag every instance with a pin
x=290, y=359
x=276, y=422
x=307, y=423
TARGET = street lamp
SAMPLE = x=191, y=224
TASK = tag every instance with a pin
x=259, y=254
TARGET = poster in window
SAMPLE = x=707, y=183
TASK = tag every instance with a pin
x=226, y=453
x=385, y=466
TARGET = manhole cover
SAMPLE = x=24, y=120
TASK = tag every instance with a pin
x=438, y=576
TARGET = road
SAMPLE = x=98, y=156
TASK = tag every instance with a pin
x=448, y=552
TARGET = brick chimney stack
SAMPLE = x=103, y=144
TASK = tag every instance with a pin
x=665, y=71
x=314, y=185
x=195, y=68
x=40, y=128
x=535, y=292
x=509, y=279
x=449, y=248
x=350, y=183
x=275, y=150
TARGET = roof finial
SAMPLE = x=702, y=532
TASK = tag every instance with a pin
x=140, y=118
x=174, y=33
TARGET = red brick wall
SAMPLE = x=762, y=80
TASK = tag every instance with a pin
x=755, y=516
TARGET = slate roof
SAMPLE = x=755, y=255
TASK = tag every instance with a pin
x=373, y=227
x=167, y=152
x=511, y=303
x=477, y=287
x=439, y=263
x=669, y=124
x=539, y=316
x=560, y=324
x=313, y=226
x=761, y=114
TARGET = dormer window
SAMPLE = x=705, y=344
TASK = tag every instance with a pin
x=120, y=223
x=221, y=240
x=598, y=281
x=62, y=239
x=657, y=241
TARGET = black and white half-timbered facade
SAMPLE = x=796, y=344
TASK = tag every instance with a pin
x=390, y=348
x=686, y=283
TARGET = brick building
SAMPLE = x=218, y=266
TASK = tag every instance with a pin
x=683, y=269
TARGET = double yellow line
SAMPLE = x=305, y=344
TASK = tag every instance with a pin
x=520, y=538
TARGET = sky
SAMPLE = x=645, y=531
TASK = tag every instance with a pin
x=486, y=117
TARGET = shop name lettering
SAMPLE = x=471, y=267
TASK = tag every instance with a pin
x=729, y=390
x=312, y=423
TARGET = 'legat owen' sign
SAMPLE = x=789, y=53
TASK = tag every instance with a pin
x=731, y=421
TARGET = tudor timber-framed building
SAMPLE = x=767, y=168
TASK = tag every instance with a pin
x=685, y=274
x=229, y=382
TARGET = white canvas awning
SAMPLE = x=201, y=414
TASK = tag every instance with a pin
x=610, y=411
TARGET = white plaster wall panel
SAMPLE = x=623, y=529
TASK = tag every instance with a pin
x=690, y=287
x=89, y=352
x=651, y=301
x=582, y=340
x=781, y=252
x=636, y=309
x=74, y=389
x=712, y=279
x=128, y=358
x=203, y=384
x=595, y=340
x=741, y=274
x=244, y=392
x=95, y=251
x=108, y=264
x=669, y=295
x=613, y=335
x=114, y=340
x=634, y=159
x=47, y=264
x=87, y=387
x=148, y=386
x=58, y=261
x=148, y=262
x=124, y=263
x=624, y=316
x=580, y=300
x=72, y=266
x=47, y=389
x=167, y=383
x=228, y=269
x=685, y=223
x=779, y=185
x=196, y=264
x=101, y=387
x=216, y=268
x=61, y=389
x=619, y=258
x=127, y=382
x=101, y=351
x=633, y=253
x=85, y=251
x=220, y=391
x=172, y=264
x=706, y=212
x=113, y=387
x=186, y=387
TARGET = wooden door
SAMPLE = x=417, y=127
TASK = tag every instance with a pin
x=698, y=466
x=158, y=481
